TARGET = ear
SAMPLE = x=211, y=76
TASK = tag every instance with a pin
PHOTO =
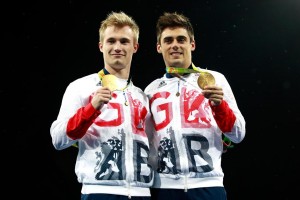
x=100, y=45
x=136, y=47
x=193, y=43
x=158, y=48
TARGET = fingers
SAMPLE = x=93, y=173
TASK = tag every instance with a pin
x=216, y=100
x=101, y=96
x=213, y=88
x=214, y=94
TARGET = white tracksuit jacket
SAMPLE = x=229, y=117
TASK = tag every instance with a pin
x=113, y=147
x=187, y=145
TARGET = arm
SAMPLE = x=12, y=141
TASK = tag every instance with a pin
x=225, y=110
x=77, y=113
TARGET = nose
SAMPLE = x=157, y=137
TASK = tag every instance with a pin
x=117, y=46
x=175, y=45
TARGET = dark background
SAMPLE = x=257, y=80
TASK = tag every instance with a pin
x=254, y=43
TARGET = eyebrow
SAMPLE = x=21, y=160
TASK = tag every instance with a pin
x=178, y=37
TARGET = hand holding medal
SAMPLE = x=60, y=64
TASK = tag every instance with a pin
x=111, y=81
x=213, y=93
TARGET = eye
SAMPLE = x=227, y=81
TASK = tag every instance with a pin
x=181, y=39
x=111, y=41
x=168, y=40
x=124, y=41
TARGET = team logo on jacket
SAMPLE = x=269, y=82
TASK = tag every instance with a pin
x=109, y=159
x=161, y=84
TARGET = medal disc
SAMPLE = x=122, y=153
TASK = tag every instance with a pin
x=205, y=79
x=110, y=81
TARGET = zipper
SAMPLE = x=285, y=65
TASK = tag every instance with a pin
x=128, y=147
x=129, y=195
x=185, y=184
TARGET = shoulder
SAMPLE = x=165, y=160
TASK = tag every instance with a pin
x=135, y=88
x=91, y=79
x=138, y=92
x=86, y=79
x=154, y=84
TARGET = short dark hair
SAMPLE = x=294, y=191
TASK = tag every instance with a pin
x=173, y=20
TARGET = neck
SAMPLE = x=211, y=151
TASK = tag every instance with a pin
x=120, y=73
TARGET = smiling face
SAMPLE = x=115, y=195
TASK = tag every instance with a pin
x=118, y=46
x=176, y=47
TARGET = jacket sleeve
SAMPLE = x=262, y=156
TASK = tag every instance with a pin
x=74, y=118
x=81, y=121
x=224, y=116
x=227, y=115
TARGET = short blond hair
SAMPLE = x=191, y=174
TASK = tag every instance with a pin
x=119, y=19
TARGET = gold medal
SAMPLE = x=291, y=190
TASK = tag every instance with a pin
x=205, y=79
x=110, y=81
x=177, y=94
x=126, y=103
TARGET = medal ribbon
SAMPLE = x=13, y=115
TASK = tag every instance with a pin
x=102, y=73
x=175, y=70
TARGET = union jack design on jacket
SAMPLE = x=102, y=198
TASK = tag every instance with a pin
x=113, y=147
x=187, y=146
